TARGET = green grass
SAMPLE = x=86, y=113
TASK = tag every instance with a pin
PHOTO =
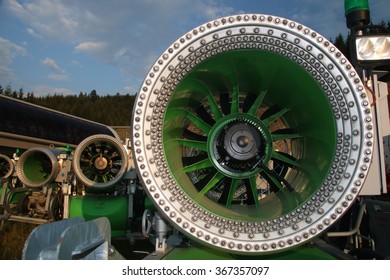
x=12, y=238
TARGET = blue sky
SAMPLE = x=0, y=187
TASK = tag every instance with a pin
x=72, y=46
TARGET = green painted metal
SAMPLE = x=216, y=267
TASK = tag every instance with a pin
x=283, y=104
x=355, y=5
x=14, y=197
x=205, y=253
x=148, y=204
x=90, y=207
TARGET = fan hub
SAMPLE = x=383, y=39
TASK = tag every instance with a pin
x=238, y=143
x=242, y=141
x=100, y=163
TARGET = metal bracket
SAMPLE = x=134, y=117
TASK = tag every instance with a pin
x=158, y=224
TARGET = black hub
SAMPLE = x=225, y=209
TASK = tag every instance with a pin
x=239, y=146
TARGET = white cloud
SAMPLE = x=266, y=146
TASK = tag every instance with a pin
x=50, y=18
x=75, y=63
x=8, y=51
x=44, y=90
x=130, y=89
x=58, y=77
x=129, y=35
x=33, y=33
x=90, y=47
x=213, y=10
x=52, y=64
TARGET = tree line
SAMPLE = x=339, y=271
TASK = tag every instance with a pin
x=112, y=110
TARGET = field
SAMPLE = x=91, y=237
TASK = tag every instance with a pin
x=12, y=238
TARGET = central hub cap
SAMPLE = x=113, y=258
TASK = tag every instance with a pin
x=242, y=141
x=101, y=163
x=238, y=143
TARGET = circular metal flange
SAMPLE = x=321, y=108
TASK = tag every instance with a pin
x=6, y=167
x=37, y=167
x=100, y=161
x=341, y=87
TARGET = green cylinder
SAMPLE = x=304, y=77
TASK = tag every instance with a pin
x=357, y=13
x=355, y=5
x=90, y=207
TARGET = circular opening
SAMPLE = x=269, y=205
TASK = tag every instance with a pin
x=99, y=162
x=37, y=167
x=249, y=134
